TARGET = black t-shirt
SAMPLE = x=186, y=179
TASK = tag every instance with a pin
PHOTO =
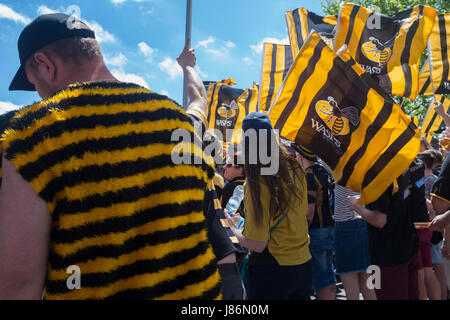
x=441, y=188
x=321, y=193
x=218, y=235
x=417, y=205
x=397, y=242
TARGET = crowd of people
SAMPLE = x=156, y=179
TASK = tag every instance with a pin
x=87, y=180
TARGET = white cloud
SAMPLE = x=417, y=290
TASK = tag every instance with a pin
x=216, y=48
x=101, y=34
x=207, y=42
x=8, y=13
x=230, y=44
x=258, y=48
x=171, y=67
x=147, y=51
x=118, y=2
x=117, y=61
x=6, y=106
x=248, y=61
x=45, y=10
x=129, y=77
x=164, y=92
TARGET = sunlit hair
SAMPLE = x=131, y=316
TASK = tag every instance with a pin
x=430, y=158
x=278, y=184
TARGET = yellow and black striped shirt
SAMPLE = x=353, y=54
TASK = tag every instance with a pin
x=99, y=154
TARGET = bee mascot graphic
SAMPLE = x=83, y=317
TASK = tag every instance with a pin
x=336, y=119
x=376, y=52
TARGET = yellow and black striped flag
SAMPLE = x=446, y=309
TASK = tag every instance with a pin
x=388, y=47
x=277, y=59
x=227, y=108
x=433, y=122
x=337, y=111
x=439, y=43
x=300, y=22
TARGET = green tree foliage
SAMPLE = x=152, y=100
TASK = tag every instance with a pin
x=420, y=105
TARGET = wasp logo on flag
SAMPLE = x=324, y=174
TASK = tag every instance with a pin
x=377, y=52
x=336, y=119
x=228, y=111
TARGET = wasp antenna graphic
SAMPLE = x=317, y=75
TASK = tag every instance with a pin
x=375, y=51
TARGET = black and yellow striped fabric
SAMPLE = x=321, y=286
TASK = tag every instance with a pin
x=99, y=154
x=439, y=44
x=300, y=22
x=338, y=114
x=277, y=59
x=227, y=108
x=415, y=120
x=223, y=220
x=390, y=51
x=433, y=122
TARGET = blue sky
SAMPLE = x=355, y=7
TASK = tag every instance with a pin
x=140, y=39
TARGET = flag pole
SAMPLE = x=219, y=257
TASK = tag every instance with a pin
x=430, y=61
x=187, y=44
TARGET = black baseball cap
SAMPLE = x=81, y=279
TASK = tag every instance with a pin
x=42, y=31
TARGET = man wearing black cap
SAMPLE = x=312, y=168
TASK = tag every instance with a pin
x=89, y=185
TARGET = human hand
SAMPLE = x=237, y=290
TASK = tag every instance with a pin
x=440, y=222
x=230, y=219
x=445, y=249
x=353, y=203
x=439, y=107
x=187, y=58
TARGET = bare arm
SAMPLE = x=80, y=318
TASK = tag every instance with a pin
x=196, y=91
x=439, y=108
x=254, y=245
x=24, y=238
x=373, y=217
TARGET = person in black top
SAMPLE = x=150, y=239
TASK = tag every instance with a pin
x=321, y=222
x=441, y=203
x=224, y=244
x=393, y=240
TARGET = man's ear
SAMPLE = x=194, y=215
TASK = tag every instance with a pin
x=46, y=66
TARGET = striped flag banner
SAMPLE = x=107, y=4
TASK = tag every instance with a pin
x=227, y=108
x=433, y=123
x=277, y=59
x=414, y=120
x=388, y=47
x=333, y=108
x=300, y=22
x=439, y=43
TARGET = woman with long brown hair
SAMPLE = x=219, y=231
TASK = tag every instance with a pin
x=275, y=229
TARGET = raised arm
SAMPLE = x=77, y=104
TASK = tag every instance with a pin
x=439, y=108
x=196, y=91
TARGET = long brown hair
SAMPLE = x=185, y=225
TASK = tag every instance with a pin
x=277, y=184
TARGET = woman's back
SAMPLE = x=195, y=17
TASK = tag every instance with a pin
x=288, y=242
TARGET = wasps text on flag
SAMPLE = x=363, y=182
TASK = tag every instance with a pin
x=277, y=59
x=300, y=22
x=338, y=113
x=439, y=44
x=433, y=123
x=227, y=108
x=388, y=47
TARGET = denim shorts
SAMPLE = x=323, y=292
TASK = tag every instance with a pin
x=436, y=254
x=351, y=246
x=321, y=247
